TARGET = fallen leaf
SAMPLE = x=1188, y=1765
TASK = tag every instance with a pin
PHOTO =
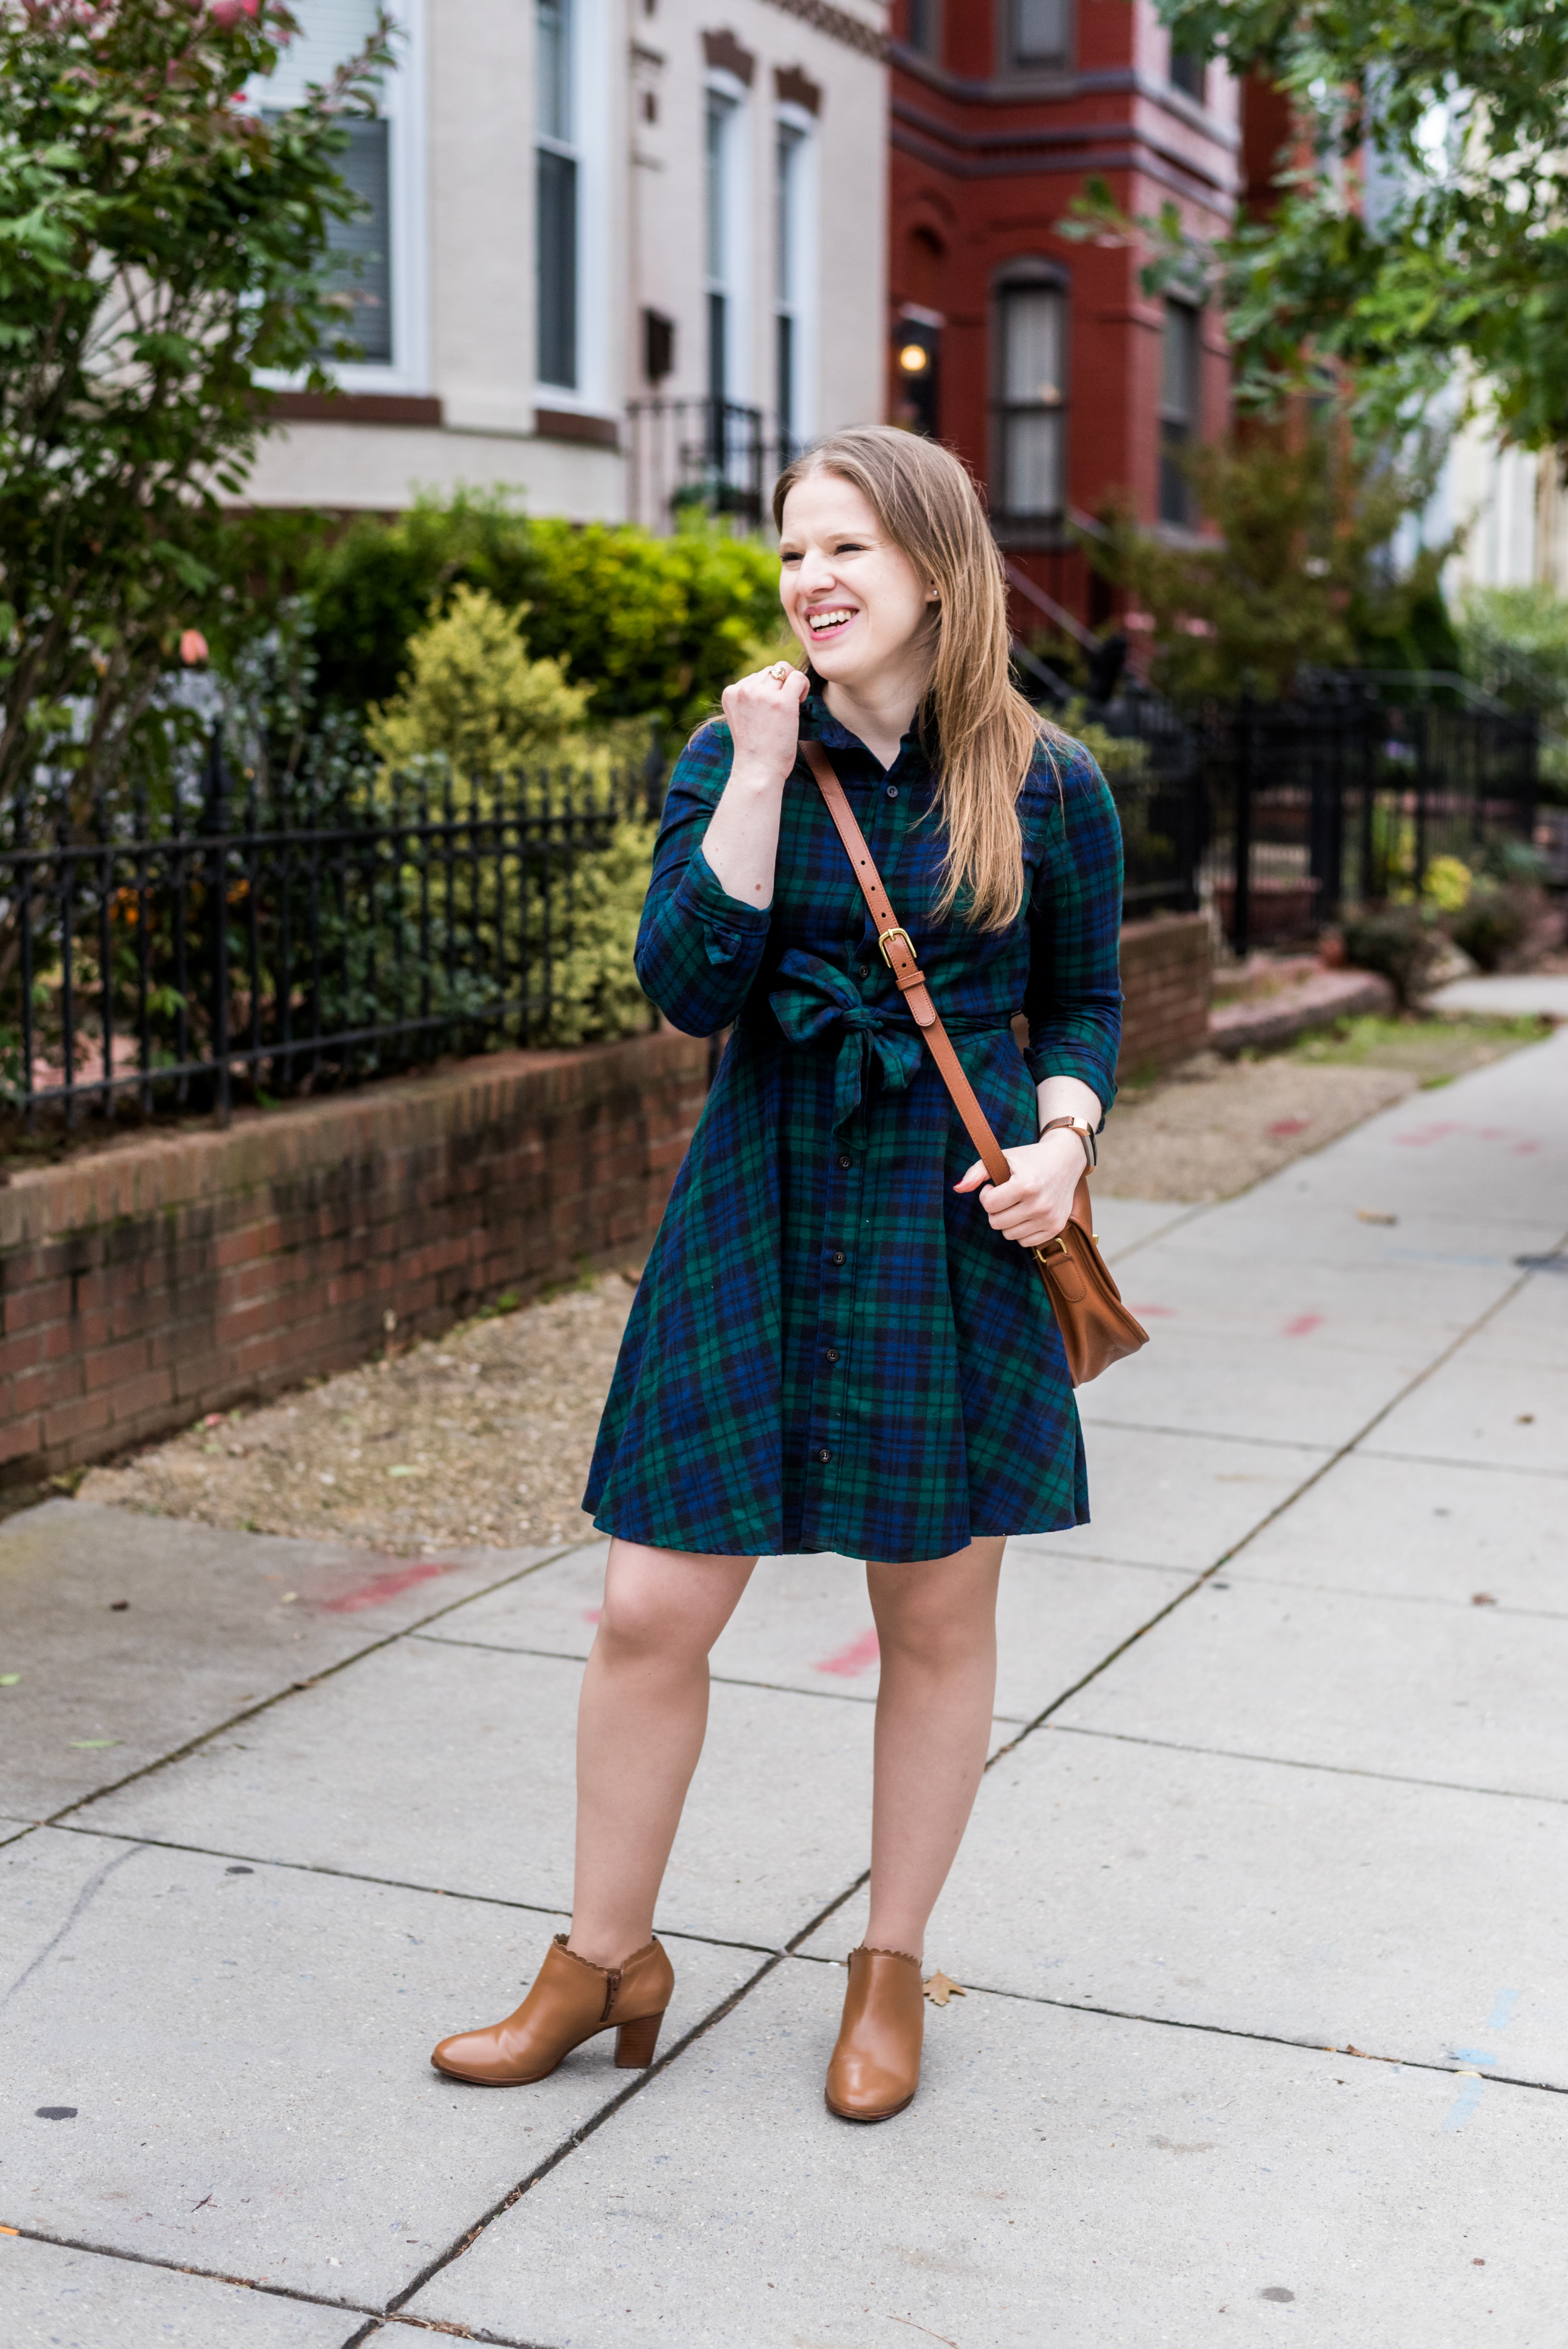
x=1373, y=1216
x=402, y=1469
x=16, y=2230
x=214, y=1419
x=939, y=1989
x=1483, y=1599
x=1526, y=1419
x=91, y=1744
x=9, y=1680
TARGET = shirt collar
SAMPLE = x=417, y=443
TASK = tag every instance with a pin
x=818, y=724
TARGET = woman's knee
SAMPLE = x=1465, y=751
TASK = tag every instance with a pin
x=939, y=1620
x=655, y=1612
x=935, y=1633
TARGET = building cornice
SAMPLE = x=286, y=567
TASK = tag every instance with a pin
x=1065, y=147
x=1115, y=81
x=839, y=25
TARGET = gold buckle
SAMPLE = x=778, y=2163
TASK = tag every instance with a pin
x=1042, y=1255
x=898, y=932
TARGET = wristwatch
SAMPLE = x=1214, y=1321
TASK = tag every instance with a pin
x=1084, y=1131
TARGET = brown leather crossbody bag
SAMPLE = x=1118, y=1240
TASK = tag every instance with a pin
x=1096, y=1326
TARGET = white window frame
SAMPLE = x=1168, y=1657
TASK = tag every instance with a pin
x=1020, y=277
x=590, y=143
x=735, y=282
x=800, y=301
x=400, y=104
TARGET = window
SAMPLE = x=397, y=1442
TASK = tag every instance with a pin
x=720, y=172
x=1032, y=334
x=374, y=252
x=1179, y=409
x=921, y=29
x=556, y=196
x=789, y=273
x=1037, y=32
x=1189, y=74
x=365, y=244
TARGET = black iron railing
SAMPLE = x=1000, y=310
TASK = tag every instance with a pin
x=1277, y=815
x=709, y=456
x=271, y=942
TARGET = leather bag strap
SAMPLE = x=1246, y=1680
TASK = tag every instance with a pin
x=897, y=953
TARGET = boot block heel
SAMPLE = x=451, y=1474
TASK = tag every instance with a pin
x=636, y=2042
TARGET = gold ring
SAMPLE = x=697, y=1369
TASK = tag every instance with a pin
x=779, y=671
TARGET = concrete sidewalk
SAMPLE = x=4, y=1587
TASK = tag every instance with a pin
x=1261, y=1916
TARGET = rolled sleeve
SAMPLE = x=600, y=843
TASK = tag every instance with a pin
x=698, y=948
x=1073, y=1001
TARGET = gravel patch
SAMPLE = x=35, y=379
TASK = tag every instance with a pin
x=482, y=1436
x=1216, y=1126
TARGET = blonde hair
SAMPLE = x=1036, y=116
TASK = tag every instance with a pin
x=987, y=732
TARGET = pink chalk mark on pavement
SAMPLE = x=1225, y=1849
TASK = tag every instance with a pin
x=858, y=1657
x=1283, y=1125
x=382, y=1586
x=1302, y=1325
x=591, y=1614
x=1153, y=1312
x=1440, y=1131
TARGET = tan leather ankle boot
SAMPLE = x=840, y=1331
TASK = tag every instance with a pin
x=570, y=1999
x=875, y=2068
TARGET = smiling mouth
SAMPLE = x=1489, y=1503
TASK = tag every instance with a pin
x=829, y=623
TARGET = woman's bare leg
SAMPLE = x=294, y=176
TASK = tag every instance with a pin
x=640, y=1724
x=936, y=1627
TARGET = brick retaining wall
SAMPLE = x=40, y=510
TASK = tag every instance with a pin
x=179, y=1274
x=1165, y=968
x=182, y=1273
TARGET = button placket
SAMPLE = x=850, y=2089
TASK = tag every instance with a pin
x=824, y=1428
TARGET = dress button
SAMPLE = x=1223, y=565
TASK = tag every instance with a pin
x=844, y=1158
x=833, y=1354
x=863, y=970
x=824, y=1454
x=892, y=791
x=838, y=1255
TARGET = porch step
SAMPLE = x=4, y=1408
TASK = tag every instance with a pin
x=1316, y=999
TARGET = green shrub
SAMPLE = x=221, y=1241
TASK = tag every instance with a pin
x=1399, y=941
x=650, y=625
x=1492, y=924
x=594, y=990
x=1446, y=885
x=472, y=695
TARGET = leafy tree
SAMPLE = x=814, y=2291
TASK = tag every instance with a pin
x=1298, y=576
x=1422, y=218
x=1515, y=644
x=159, y=247
x=651, y=625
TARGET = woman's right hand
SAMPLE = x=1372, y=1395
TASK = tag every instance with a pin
x=764, y=715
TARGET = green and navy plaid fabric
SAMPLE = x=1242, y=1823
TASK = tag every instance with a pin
x=828, y=1350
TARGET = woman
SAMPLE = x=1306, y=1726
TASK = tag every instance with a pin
x=841, y=1342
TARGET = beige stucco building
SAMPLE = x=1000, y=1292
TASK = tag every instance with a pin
x=617, y=250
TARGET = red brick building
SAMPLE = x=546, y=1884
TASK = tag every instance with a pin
x=1041, y=360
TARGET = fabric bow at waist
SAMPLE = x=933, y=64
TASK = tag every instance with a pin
x=812, y=998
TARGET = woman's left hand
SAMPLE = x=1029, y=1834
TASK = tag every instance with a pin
x=1033, y=1206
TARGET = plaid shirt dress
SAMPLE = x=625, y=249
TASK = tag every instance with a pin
x=829, y=1350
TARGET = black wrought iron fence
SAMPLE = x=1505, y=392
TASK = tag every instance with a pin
x=1277, y=815
x=1349, y=795
x=1161, y=794
x=275, y=941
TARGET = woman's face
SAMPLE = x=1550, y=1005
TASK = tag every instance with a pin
x=851, y=597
